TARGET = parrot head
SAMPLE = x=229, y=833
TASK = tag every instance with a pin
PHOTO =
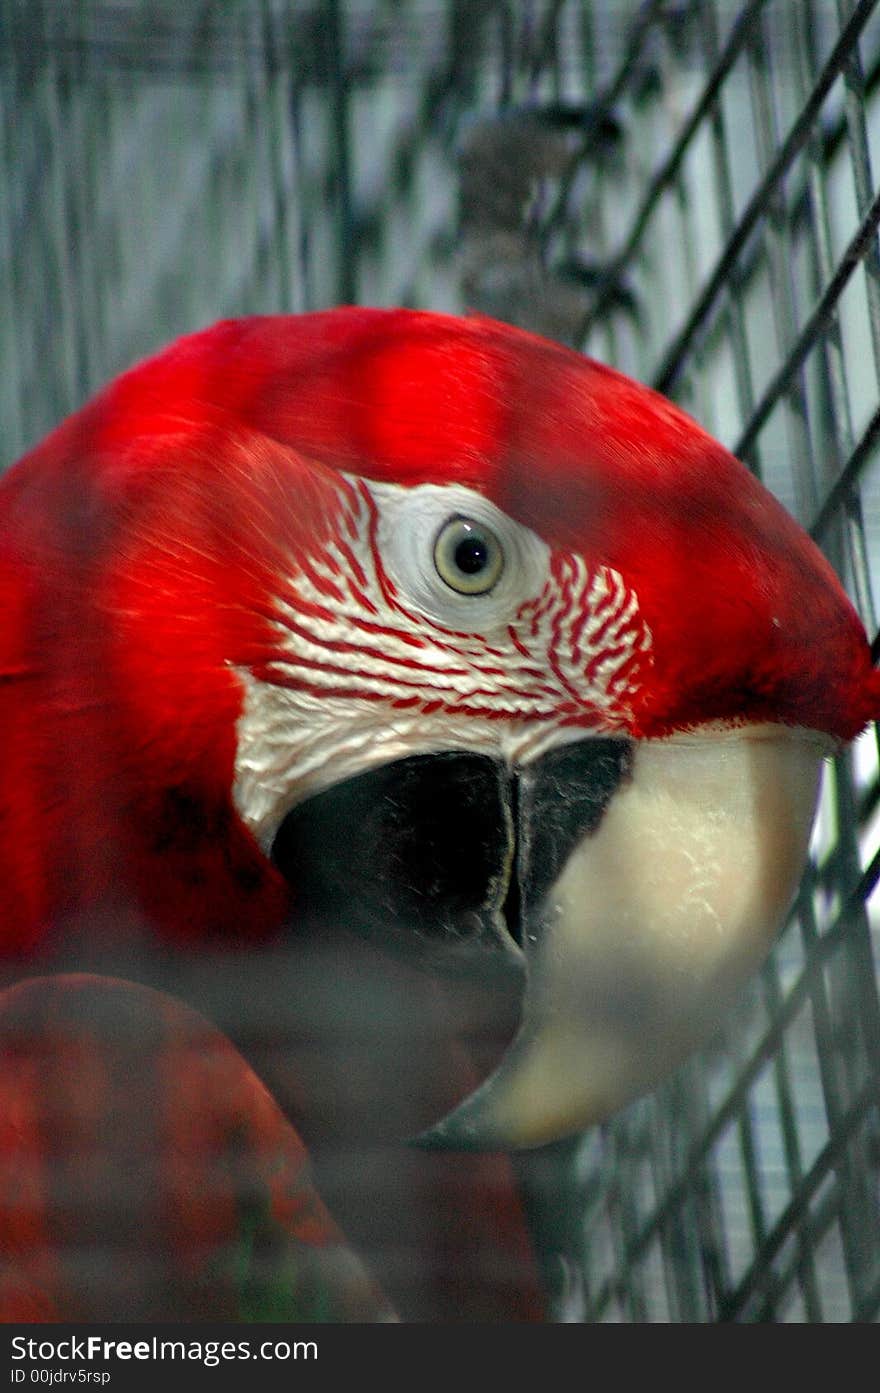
x=441, y=631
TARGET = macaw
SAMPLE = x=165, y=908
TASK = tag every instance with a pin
x=438, y=710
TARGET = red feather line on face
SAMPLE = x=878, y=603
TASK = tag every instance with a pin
x=530, y=670
x=146, y=544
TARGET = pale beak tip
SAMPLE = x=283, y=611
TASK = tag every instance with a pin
x=463, y=1129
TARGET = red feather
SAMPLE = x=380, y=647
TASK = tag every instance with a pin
x=143, y=543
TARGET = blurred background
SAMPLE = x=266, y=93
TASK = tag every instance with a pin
x=683, y=188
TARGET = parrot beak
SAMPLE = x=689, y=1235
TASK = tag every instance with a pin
x=641, y=940
x=629, y=887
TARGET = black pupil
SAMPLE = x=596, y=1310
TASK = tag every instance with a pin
x=471, y=555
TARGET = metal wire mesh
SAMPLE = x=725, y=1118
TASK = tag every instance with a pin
x=761, y=1163
x=685, y=190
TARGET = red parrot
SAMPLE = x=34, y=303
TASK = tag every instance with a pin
x=392, y=685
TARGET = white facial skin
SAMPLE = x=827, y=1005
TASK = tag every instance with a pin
x=436, y=669
x=659, y=915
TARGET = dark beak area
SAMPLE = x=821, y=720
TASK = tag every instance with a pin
x=560, y=799
x=446, y=859
x=416, y=856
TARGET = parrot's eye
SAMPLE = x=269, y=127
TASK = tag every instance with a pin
x=455, y=556
x=468, y=556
